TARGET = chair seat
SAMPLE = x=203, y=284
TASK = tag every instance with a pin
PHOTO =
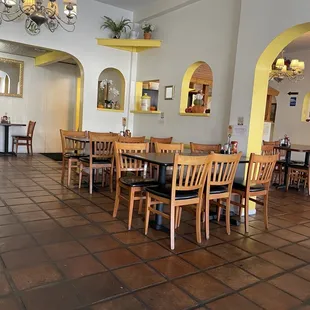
x=299, y=167
x=165, y=192
x=216, y=189
x=138, y=181
x=22, y=137
x=74, y=155
x=96, y=161
x=240, y=185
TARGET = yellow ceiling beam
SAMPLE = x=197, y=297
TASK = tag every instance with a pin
x=130, y=45
x=50, y=58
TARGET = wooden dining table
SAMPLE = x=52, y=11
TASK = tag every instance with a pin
x=164, y=160
x=299, y=148
x=7, y=127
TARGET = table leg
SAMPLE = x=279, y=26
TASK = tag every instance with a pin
x=158, y=224
x=307, y=159
x=6, y=142
x=287, y=162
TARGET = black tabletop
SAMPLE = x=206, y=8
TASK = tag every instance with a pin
x=9, y=125
x=166, y=159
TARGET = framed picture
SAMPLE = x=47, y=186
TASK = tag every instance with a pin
x=169, y=92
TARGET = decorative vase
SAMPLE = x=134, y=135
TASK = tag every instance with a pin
x=147, y=35
x=198, y=109
x=116, y=35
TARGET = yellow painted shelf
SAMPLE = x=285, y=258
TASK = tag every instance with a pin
x=109, y=110
x=129, y=45
x=145, y=112
x=195, y=114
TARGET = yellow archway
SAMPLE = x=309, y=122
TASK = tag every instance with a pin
x=185, y=84
x=256, y=125
x=305, y=108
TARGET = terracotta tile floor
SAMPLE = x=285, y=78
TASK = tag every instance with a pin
x=60, y=249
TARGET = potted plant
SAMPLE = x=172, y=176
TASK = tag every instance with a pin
x=198, y=104
x=116, y=28
x=148, y=29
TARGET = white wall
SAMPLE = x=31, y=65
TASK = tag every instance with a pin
x=94, y=58
x=203, y=31
x=260, y=22
x=288, y=119
x=49, y=99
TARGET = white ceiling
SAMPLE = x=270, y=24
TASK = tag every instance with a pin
x=19, y=49
x=130, y=5
x=301, y=43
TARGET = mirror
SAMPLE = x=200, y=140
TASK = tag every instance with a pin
x=11, y=77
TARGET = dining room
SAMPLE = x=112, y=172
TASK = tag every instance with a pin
x=135, y=172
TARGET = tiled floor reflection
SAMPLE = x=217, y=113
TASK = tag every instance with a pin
x=60, y=249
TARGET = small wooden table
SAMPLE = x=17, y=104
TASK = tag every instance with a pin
x=164, y=160
x=293, y=148
x=6, y=137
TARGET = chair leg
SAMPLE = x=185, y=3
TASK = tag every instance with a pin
x=91, y=180
x=28, y=147
x=288, y=179
x=246, y=214
x=172, y=233
x=111, y=178
x=80, y=175
x=308, y=180
x=12, y=145
x=117, y=199
x=131, y=205
x=63, y=170
x=207, y=220
x=147, y=213
x=69, y=172
x=219, y=211
x=228, y=216
x=198, y=222
x=179, y=217
x=31, y=148
x=266, y=211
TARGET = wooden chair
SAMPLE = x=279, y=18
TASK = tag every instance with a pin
x=25, y=140
x=219, y=186
x=101, y=156
x=279, y=170
x=71, y=151
x=205, y=148
x=188, y=182
x=128, y=178
x=154, y=140
x=273, y=143
x=298, y=175
x=169, y=148
x=257, y=183
x=131, y=139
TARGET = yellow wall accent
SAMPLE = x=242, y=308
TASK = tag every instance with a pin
x=139, y=90
x=78, y=103
x=305, y=108
x=50, y=58
x=185, y=86
x=263, y=66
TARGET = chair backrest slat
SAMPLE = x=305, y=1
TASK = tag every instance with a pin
x=260, y=169
x=69, y=145
x=224, y=169
x=205, y=148
x=169, y=148
x=126, y=164
x=30, y=129
x=101, y=146
x=189, y=173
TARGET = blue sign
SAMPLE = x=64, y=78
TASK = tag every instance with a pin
x=293, y=101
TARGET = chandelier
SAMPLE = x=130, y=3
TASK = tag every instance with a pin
x=37, y=14
x=285, y=68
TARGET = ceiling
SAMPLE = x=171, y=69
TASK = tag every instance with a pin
x=301, y=43
x=19, y=49
x=130, y=5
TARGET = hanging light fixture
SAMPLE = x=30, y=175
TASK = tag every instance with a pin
x=38, y=13
x=284, y=68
